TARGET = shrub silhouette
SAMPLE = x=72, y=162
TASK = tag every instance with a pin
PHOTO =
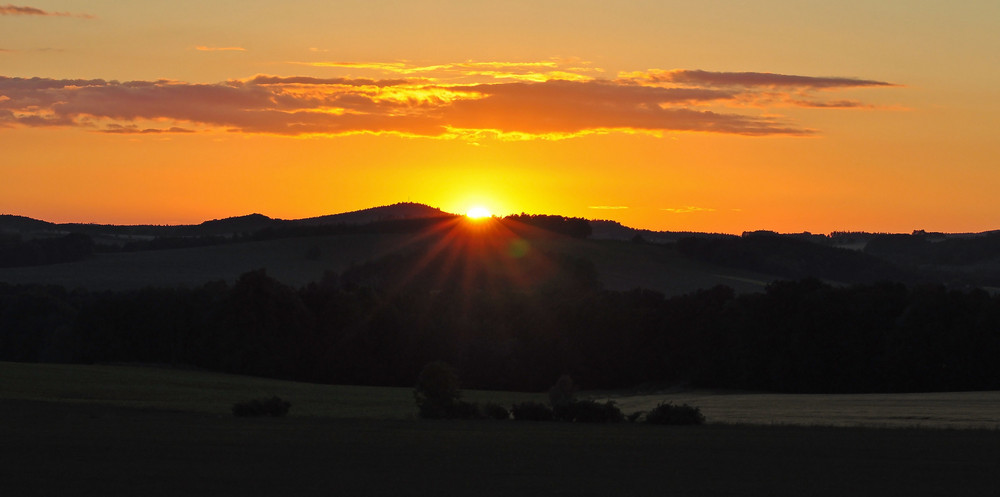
x=274, y=407
x=563, y=392
x=669, y=414
x=531, y=411
x=464, y=410
x=495, y=411
x=437, y=394
x=589, y=411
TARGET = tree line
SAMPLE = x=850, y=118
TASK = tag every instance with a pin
x=372, y=326
x=16, y=252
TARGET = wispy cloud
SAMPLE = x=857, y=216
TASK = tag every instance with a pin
x=835, y=104
x=14, y=10
x=687, y=209
x=760, y=89
x=522, y=71
x=136, y=130
x=203, y=48
x=607, y=207
x=751, y=79
x=428, y=101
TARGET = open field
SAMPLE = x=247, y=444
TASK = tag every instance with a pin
x=99, y=450
x=117, y=430
x=285, y=259
x=958, y=410
x=215, y=393
x=620, y=265
x=210, y=393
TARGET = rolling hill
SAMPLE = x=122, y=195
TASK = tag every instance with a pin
x=297, y=252
x=300, y=251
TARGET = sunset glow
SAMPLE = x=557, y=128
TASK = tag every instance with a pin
x=478, y=213
x=664, y=115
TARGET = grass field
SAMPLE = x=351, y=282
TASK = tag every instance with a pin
x=115, y=430
x=621, y=265
x=210, y=393
x=941, y=410
x=284, y=259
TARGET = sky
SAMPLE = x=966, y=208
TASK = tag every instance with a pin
x=713, y=116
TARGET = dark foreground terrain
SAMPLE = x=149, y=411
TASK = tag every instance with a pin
x=91, y=449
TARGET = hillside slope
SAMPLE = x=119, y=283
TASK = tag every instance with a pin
x=300, y=260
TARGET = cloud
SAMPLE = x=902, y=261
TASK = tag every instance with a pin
x=419, y=101
x=14, y=10
x=134, y=130
x=202, y=48
x=570, y=70
x=308, y=81
x=759, y=89
x=836, y=104
x=753, y=79
x=687, y=209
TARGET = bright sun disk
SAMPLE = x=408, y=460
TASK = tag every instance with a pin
x=478, y=212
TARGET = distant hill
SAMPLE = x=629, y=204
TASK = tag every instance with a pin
x=106, y=233
x=299, y=260
x=402, y=210
x=229, y=225
x=792, y=257
x=20, y=224
x=298, y=251
x=613, y=230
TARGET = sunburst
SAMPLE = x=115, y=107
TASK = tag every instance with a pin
x=478, y=212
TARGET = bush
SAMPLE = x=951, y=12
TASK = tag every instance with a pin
x=589, y=411
x=669, y=414
x=531, y=411
x=495, y=411
x=274, y=407
x=463, y=410
x=563, y=392
x=437, y=392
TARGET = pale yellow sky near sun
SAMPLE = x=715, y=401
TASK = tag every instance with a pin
x=579, y=108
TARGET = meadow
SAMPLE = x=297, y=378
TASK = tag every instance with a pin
x=301, y=260
x=124, y=430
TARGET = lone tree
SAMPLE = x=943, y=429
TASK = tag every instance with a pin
x=563, y=392
x=437, y=390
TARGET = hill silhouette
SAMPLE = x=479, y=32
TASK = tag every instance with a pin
x=624, y=257
x=402, y=210
x=10, y=223
x=13, y=224
x=228, y=226
x=298, y=254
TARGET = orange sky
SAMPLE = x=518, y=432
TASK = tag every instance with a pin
x=705, y=116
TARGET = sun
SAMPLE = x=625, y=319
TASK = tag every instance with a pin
x=478, y=212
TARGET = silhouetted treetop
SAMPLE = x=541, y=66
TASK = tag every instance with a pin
x=572, y=226
x=789, y=257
